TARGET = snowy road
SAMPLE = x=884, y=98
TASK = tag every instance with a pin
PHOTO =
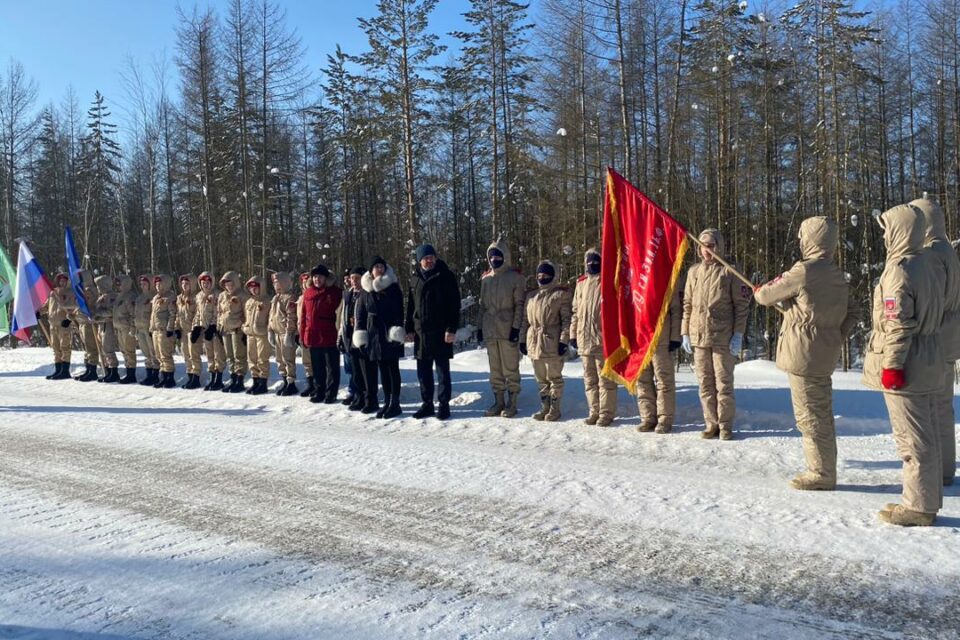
x=127, y=513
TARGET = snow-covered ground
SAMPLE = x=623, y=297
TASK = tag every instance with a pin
x=127, y=512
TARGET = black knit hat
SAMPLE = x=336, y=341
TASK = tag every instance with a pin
x=547, y=268
x=375, y=260
x=357, y=271
x=320, y=270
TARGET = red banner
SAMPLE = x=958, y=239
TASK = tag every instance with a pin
x=643, y=249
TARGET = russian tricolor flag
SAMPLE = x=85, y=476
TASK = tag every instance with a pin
x=33, y=289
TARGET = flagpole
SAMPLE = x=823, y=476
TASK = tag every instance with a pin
x=729, y=266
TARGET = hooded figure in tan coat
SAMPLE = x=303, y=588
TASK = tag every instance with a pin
x=124, y=321
x=163, y=324
x=61, y=303
x=586, y=339
x=905, y=360
x=206, y=321
x=945, y=256
x=88, y=335
x=657, y=385
x=503, y=290
x=103, y=323
x=715, y=309
x=230, y=325
x=818, y=315
x=188, y=334
x=283, y=326
x=546, y=334
x=141, y=321
x=255, y=326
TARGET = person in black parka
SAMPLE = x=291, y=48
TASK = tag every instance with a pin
x=433, y=315
x=379, y=334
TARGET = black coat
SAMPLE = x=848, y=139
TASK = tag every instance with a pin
x=433, y=309
x=377, y=312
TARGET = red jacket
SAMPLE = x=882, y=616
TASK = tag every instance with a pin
x=318, y=318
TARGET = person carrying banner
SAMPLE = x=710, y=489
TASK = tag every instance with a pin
x=904, y=360
x=143, y=309
x=60, y=305
x=545, y=335
x=503, y=290
x=206, y=320
x=124, y=323
x=715, y=309
x=163, y=320
x=88, y=335
x=586, y=338
x=657, y=387
x=818, y=315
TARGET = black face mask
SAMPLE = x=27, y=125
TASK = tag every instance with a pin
x=496, y=261
x=544, y=279
x=593, y=268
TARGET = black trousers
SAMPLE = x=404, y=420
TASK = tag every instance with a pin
x=389, y=371
x=358, y=384
x=326, y=371
x=425, y=369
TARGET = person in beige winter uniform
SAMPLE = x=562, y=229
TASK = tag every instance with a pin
x=283, y=326
x=502, y=296
x=586, y=339
x=103, y=324
x=905, y=361
x=188, y=334
x=206, y=320
x=546, y=334
x=124, y=323
x=657, y=385
x=163, y=321
x=255, y=326
x=142, y=310
x=88, y=335
x=945, y=256
x=819, y=314
x=715, y=309
x=230, y=325
x=61, y=303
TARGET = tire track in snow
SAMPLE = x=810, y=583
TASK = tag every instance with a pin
x=585, y=573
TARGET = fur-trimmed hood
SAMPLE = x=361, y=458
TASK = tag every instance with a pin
x=261, y=292
x=231, y=276
x=149, y=278
x=936, y=226
x=717, y=237
x=192, y=279
x=124, y=283
x=282, y=282
x=104, y=284
x=503, y=248
x=162, y=283
x=904, y=229
x=371, y=284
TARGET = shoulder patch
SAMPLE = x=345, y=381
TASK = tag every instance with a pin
x=891, y=308
x=582, y=278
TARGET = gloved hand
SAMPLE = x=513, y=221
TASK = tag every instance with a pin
x=674, y=345
x=65, y=323
x=479, y=336
x=514, y=335
x=341, y=347
x=736, y=344
x=179, y=334
x=243, y=337
x=210, y=332
x=289, y=342
x=195, y=334
x=893, y=379
x=686, y=345
x=523, y=348
x=170, y=334
x=573, y=343
x=562, y=349
x=272, y=338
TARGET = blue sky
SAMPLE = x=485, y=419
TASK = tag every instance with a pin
x=84, y=43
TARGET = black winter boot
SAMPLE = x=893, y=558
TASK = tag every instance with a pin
x=393, y=407
x=290, y=389
x=216, y=381
x=165, y=381
x=113, y=375
x=372, y=406
x=425, y=411
x=227, y=387
x=64, y=372
x=443, y=412
x=130, y=376
x=357, y=403
x=89, y=374
x=259, y=387
x=56, y=371
x=150, y=379
x=193, y=381
x=306, y=393
x=348, y=400
x=283, y=387
x=237, y=386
